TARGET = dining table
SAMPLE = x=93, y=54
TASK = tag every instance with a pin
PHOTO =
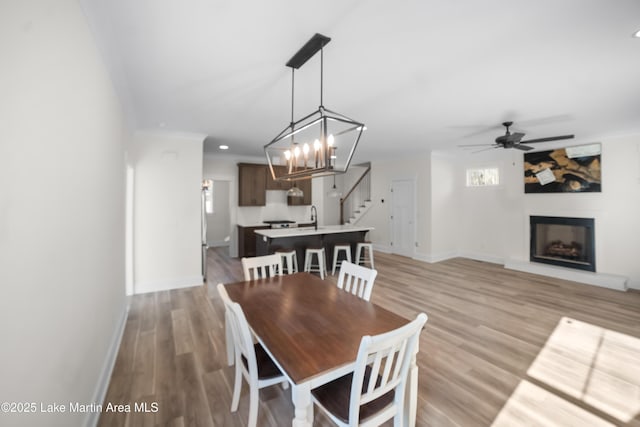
x=312, y=331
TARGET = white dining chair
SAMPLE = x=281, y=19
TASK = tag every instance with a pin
x=260, y=267
x=375, y=392
x=357, y=279
x=251, y=360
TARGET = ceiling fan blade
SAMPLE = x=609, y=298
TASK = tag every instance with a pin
x=522, y=147
x=516, y=136
x=485, y=149
x=551, y=138
x=473, y=145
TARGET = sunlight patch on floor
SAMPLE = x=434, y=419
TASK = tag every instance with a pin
x=595, y=365
x=530, y=405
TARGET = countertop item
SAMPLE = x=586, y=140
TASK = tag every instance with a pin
x=310, y=231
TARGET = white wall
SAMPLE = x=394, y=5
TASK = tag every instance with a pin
x=495, y=221
x=492, y=223
x=62, y=210
x=445, y=206
x=167, y=206
x=416, y=167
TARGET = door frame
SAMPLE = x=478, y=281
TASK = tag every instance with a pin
x=414, y=183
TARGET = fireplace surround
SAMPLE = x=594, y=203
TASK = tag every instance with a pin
x=563, y=241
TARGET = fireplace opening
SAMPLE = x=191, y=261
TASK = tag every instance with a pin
x=567, y=242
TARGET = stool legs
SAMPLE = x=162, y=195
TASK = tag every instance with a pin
x=291, y=261
x=336, y=250
x=360, y=253
x=322, y=264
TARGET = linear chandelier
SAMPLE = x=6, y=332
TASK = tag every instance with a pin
x=321, y=143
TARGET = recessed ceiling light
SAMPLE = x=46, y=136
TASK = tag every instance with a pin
x=224, y=147
x=637, y=34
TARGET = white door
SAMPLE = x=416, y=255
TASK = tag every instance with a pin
x=403, y=232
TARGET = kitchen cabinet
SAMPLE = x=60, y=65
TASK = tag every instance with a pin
x=252, y=184
x=247, y=240
x=277, y=185
x=305, y=186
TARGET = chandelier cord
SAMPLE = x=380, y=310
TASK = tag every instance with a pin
x=292, y=93
x=321, y=75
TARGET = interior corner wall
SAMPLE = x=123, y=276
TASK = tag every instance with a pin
x=383, y=173
x=167, y=210
x=445, y=206
x=62, y=193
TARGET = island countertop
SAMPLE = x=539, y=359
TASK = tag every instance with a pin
x=274, y=233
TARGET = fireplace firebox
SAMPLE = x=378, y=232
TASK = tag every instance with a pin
x=567, y=242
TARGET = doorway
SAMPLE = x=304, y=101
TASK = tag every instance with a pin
x=218, y=214
x=403, y=228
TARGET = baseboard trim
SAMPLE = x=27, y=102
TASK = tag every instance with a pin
x=611, y=281
x=482, y=257
x=382, y=248
x=107, y=369
x=433, y=258
x=167, y=284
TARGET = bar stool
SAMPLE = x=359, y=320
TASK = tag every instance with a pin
x=289, y=258
x=360, y=253
x=321, y=267
x=346, y=247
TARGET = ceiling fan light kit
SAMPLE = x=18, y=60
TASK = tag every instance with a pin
x=514, y=140
x=321, y=143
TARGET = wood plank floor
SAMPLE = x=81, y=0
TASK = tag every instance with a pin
x=501, y=348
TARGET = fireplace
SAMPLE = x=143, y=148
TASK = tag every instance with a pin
x=567, y=242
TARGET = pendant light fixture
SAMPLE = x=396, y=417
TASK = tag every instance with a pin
x=295, y=191
x=334, y=193
x=321, y=143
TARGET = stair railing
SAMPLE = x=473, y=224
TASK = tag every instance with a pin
x=353, y=199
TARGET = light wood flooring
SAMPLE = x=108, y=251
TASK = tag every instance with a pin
x=501, y=348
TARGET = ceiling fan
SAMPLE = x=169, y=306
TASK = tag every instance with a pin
x=514, y=140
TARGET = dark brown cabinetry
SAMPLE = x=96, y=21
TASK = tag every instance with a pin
x=252, y=184
x=277, y=185
x=305, y=186
x=247, y=240
x=255, y=179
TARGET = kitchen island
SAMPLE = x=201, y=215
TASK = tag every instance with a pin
x=300, y=238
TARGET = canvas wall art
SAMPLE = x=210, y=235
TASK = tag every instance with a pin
x=564, y=170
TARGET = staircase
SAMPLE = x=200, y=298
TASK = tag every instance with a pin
x=357, y=201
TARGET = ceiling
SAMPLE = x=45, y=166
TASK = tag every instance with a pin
x=422, y=75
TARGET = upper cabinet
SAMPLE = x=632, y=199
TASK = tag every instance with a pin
x=305, y=186
x=277, y=185
x=252, y=184
x=255, y=179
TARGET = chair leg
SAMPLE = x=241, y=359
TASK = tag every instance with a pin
x=229, y=341
x=322, y=265
x=253, y=407
x=237, y=387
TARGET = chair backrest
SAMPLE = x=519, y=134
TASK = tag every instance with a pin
x=260, y=267
x=382, y=366
x=357, y=279
x=242, y=340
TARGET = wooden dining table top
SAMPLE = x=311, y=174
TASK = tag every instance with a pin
x=309, y=325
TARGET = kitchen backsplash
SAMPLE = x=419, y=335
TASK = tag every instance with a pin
x=275, y=208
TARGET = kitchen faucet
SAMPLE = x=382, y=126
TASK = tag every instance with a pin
x=314, y=216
